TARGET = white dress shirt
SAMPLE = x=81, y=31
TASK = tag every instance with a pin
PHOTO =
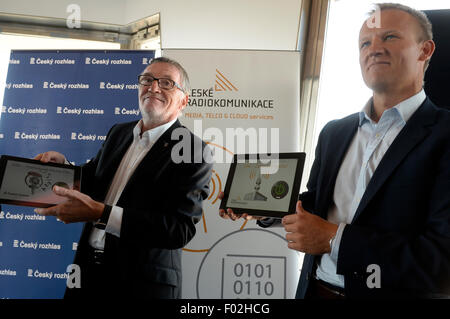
x=366, y=150
x=142, y=143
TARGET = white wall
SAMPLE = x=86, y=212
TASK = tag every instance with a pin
x=217, y=24
x=202, y=24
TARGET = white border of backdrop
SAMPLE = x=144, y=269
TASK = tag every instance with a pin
x=258, y=92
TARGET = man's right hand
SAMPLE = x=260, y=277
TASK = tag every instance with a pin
x=51, y=156
x=229, y=214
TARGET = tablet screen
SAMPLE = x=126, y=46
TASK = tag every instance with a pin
x=28, y=182
x=250, y=189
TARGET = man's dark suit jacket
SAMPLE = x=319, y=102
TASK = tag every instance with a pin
x=402, y=223
x=161, y=203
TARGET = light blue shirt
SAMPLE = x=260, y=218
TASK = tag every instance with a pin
x=366, y=150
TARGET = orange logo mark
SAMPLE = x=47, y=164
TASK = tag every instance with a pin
x=223, y=84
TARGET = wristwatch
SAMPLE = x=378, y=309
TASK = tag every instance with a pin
x=101, y=224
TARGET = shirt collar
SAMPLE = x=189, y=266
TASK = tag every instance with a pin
x=150, y=137
x=405, y=108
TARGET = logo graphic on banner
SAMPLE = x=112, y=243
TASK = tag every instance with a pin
x=57, y=113
x=248, y=268
x=223, y=84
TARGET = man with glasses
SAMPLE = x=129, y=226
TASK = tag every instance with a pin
x=139, y=204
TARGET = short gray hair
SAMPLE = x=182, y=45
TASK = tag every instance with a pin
x=421, y=18
x=185, y=85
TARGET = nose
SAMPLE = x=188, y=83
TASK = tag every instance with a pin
x=154, y=86
x=376, y=48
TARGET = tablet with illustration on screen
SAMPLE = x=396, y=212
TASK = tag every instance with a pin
x=264, y=184
x=27, y=182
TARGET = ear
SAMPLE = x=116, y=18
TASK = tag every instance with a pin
x=184, y=102
x=428, y=48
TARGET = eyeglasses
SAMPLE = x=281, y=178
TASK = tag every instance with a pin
x=166, y=84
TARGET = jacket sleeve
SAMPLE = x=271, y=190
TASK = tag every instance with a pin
x=308, y=198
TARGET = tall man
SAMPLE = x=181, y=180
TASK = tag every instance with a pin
x=375, y=221
x=140, y=203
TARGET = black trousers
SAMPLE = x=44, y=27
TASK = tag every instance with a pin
x=99, y=280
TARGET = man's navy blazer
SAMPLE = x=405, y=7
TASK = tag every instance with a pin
x=161, y=203
x=402, y=223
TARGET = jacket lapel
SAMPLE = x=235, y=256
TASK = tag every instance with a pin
x=117, y=154
x=415, y=130
x=335, y=150
x=163, y=143
x=160, y=151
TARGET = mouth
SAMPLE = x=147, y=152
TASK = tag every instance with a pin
x=155, y=97
x=377, y=63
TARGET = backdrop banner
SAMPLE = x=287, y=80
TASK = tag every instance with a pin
x=64, y=101
x=241, y=102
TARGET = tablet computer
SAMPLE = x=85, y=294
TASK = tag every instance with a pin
x=27, y=182
x=264, y=184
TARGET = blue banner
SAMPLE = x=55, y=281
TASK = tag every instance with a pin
x=64, y=101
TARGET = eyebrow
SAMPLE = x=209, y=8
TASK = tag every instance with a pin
x=382, y=34
x=165, y=76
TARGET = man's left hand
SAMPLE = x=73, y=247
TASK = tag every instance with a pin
x=78, y=207
x=308, y=233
